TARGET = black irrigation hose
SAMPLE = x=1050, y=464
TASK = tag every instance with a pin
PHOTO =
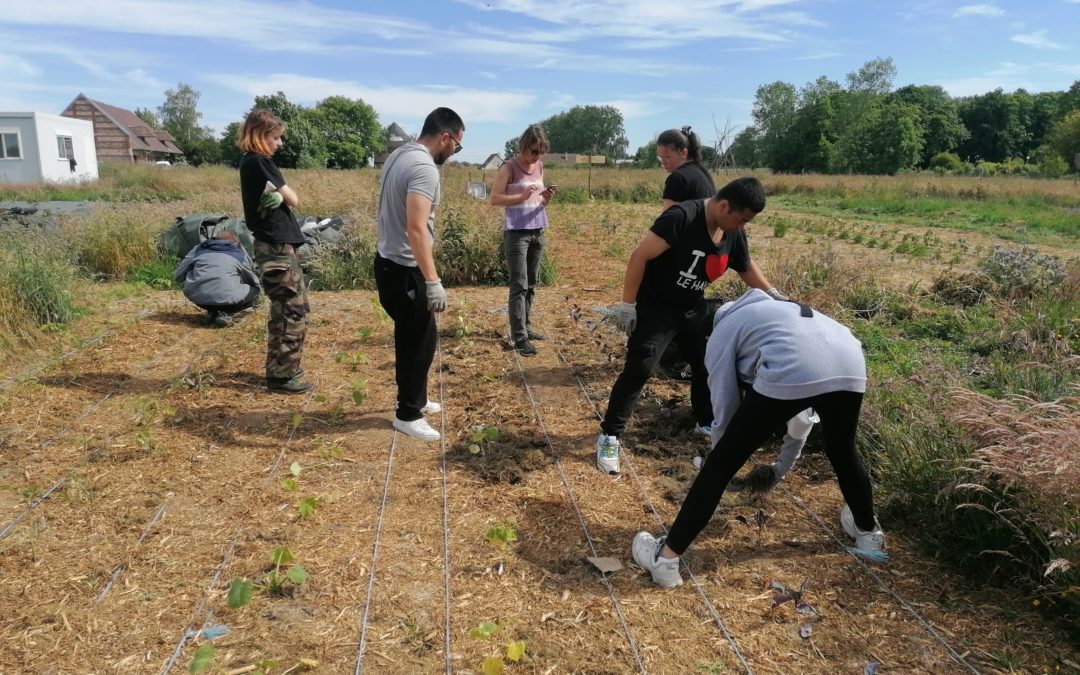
x=637, y=481
x=580, y=517
x=41, y=369
x=446, y=514
x=220, y=570
x=90, y=409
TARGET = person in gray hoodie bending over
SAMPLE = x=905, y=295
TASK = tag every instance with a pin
x=219, y=276
x=792, y=358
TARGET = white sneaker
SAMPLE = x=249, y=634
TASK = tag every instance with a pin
x=607, y=454
x=698, y=461
x=703, y=429
x=431, y=408
x=664, y=571
x=869, y=544
x=417, y=429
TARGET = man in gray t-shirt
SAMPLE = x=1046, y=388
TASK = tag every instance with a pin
x=409, y=286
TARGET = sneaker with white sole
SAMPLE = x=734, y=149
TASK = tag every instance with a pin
x=607, y=454
x=431, y=408
x=870, y=544
x=703, y=429
x=664, y=571
x=417, y=429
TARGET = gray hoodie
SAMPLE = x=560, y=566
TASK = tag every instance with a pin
x=768, y=344
x=217, y=272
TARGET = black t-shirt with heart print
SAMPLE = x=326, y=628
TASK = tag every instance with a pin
x=676, y=279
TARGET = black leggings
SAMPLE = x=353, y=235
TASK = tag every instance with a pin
x=751, y=426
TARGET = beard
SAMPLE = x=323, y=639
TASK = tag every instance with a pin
x=441, y=158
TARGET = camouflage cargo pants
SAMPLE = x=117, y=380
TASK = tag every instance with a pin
x=283, y=282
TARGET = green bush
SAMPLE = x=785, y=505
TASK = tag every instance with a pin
x=349, y=266
x=947, y=161
x=466, y=255
x=40, y=279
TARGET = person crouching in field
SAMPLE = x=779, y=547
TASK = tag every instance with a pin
x=268, y=204
x=792, y=358
x=689, y=246
x=519, y=186
x=219, y=276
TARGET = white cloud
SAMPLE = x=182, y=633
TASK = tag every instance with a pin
x=265, y=24
x=410, y=104
x=1038, y=40
x=13, y=65
x=141, y=78
x=979, y=10
x=648, y=20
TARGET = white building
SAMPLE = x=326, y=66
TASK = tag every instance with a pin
x=42, y=147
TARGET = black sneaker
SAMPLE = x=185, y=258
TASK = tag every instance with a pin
x=525, y=348
x=533, y=335
x=288, y=385
x=223, y=320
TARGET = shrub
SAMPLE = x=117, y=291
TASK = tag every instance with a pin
x=40, y=279
x=965, y=289
x=1022, y=272
x=947, y=161
x=467, y=255
x=349, y=266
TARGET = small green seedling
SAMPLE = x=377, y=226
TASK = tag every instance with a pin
x=359, y=391
x=203, y=659
x=503, y=532
x=276, y=579
x=482, y=436
x=364, y=333
x=307, y=506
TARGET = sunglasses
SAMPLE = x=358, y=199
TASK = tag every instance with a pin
x=535, y=152
x=457, y=146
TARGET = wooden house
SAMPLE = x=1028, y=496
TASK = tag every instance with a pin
x=120, y=135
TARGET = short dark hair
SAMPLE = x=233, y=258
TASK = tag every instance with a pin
x=441, y=120
x=682, y=139
x=744, y=193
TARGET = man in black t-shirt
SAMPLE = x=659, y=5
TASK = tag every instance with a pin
x=689, y=246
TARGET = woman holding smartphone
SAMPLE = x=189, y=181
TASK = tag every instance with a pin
x=519, y=187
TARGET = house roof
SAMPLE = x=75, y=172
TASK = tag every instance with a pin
x=143, y=137
x=493, y=160
x=396, y=133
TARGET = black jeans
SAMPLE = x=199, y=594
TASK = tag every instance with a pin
x=656, y=328
x=404, y=297
x=751, y=426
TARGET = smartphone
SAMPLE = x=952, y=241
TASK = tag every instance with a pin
x=551, y=187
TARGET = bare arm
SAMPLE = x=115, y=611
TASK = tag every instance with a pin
x=498, y=189
x=648, y=248
x=417, y=211
x=288, y=195
x=754, y=277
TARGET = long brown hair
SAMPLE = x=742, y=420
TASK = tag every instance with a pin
x=533, y=135
x=259, y=124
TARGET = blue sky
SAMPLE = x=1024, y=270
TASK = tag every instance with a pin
x=505, y=63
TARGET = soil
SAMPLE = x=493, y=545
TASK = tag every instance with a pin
x=145, y=470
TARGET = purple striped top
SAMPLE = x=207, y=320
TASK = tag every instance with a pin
x=529, y=214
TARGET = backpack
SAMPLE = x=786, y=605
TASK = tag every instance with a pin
x=188, y=231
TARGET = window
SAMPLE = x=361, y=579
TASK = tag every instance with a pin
x=64, y=147
x=10, y=148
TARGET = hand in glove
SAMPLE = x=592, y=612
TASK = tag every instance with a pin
x=776, y=295
x=624, y=315
x=436, y=296
x=269, y=202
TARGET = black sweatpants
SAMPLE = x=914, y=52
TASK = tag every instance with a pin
x=755, y=420
x=655, y=330
x=248, y=301
x=403, y=295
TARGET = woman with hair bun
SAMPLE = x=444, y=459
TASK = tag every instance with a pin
x=679, y=152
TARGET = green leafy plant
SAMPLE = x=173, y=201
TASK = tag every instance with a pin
x=307, y=506
x=203, y=659
x=503, y=532
x=514, y=650
x=358, y=389
x=481, y=438
x=286, y=570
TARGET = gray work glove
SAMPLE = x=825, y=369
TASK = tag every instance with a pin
x=776, y=295
x=269, y=202
x=624, y=315
x=436, y=296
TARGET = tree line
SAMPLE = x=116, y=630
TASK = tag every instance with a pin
x=865, y=126
x=861, y=126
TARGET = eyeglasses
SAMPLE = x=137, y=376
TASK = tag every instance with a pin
x=457, y=146
x=534, y=151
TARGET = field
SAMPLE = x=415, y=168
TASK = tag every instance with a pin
x=161, y=512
